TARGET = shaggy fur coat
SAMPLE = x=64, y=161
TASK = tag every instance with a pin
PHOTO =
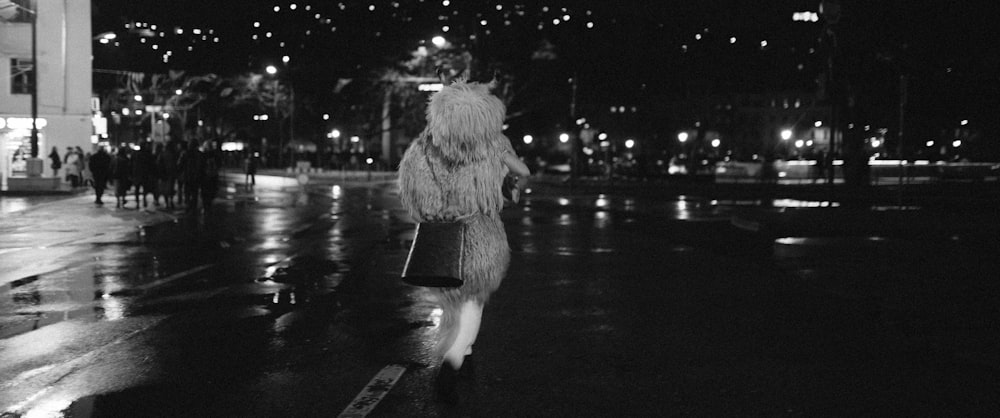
x=453, y=171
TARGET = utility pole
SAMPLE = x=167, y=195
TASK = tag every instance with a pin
x=573, y=159
x=34, y=84
x=899, y=137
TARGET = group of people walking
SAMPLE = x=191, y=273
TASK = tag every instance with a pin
x=76, y=171
x=189, y=171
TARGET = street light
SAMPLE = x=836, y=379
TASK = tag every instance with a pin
x=564, y=138
x=786, y=134
x=683, y=137
x=272, y=70
x=439, y=41
x=528, y=139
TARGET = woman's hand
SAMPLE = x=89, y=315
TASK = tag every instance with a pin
x=515, y=165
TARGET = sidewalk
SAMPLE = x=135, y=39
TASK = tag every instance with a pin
x=38, y=230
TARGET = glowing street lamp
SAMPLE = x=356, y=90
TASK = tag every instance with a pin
x=528, y=139
x=564, y=138
x=929, y=144
x=956, y=143
x=786, y=134
x=683, y=137
x=272, y=70
x=716, y=142
x=439, y=41
x=335, y=134
x=629, y=143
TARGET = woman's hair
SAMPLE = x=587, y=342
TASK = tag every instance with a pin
x=464, y=121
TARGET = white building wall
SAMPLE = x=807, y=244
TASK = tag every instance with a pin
x=63, y=76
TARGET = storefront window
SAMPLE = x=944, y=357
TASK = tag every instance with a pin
x=22, y=76
x=19, y=12
x=15, y=144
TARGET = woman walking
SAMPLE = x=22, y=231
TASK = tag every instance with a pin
x=56, y=162
x=73, y=169
x=454, y=171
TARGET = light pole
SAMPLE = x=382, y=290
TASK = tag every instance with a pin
x=273, y=71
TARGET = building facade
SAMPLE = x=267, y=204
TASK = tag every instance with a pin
x=62, y=74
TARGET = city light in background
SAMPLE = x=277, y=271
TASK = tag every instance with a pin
x=794, y=94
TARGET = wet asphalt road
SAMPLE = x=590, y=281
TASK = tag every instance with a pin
x=286, y=302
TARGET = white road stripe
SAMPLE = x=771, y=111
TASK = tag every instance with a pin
x=371, y=395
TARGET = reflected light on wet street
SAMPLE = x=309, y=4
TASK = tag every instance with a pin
x=602, y=202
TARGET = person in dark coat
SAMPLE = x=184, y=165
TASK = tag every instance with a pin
x=250, y=168
x=100, y=168
x=144, y=175
x=211, y=161
x=56, y=161
x=166, y=167
x=190, y=167
x=121, y=173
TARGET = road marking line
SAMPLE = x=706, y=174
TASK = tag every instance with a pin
x=372, y=394
x=173, y=277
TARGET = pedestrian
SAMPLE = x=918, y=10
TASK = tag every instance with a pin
x=144, y=175
x=250, y=168
x=190, y=169
x=210, y=175
x=166, y=168
x=82, y=161
x=56, y=163
x=820, y=167
x=121, y=173
x=100, y=168
x=453, y=172
x=72, y=162
x=181, y=195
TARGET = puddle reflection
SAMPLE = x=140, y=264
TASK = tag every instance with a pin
x=78, y=293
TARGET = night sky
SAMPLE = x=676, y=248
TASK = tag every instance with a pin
x=622, y=52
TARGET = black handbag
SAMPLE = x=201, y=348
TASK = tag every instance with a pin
x=435, y=258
